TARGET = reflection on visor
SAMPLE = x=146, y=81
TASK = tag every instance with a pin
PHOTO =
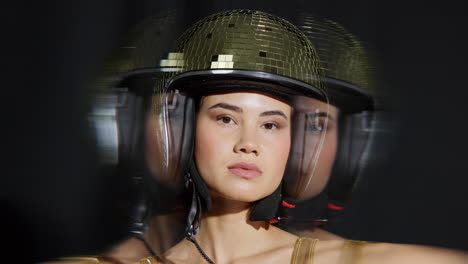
x=308, y=135
x=173, y=131
x=314, y=122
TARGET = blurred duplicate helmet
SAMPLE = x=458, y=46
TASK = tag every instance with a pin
x=351, y=88
x=120, y=113
x=140, y=48
x=236, y=51
x=346, y=65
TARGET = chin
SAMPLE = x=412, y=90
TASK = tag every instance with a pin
x=244, y=193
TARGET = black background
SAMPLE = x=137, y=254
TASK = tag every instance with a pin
x=55, y=200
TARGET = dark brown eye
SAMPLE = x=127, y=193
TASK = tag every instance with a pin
x=226, y=119
x=270, y=126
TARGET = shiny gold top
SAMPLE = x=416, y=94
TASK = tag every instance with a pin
x=352, y=252
x=304, y=249
x=84, y=260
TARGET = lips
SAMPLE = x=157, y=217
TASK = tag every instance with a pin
x=245, y=170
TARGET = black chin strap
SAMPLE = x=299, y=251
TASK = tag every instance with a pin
x=194, y=217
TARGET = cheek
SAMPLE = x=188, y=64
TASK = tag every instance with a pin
x=205, y=143
x=282, y=151
x=324, y=165
x=210, y=148
x=279, y=153
x=328, y=156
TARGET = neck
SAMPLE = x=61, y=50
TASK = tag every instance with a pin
x=227, y=234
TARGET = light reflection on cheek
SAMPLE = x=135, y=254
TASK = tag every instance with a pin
x=243, y=186
x=279, y=149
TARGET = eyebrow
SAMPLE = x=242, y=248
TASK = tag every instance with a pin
x=320, y=114
x=274, y=112
x=239, y=110
x=228, y=107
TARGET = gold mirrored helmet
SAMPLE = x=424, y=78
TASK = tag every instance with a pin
x=246, y=40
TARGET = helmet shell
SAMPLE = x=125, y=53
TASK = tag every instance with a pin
x=346, y=65
x=248, y=41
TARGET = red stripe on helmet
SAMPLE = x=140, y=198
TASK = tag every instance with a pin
x=334, y=207
x=288, y=205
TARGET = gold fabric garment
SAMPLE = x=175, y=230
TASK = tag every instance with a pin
x=84, y=260
x=351, y=252
x=149, y=260
x=304, y=251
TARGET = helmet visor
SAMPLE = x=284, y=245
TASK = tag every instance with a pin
x=308, y=136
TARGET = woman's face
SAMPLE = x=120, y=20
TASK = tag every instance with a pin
x=242, y=144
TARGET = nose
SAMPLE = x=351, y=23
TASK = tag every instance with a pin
x=247, y=143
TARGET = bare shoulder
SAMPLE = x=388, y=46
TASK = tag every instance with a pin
x=179, y=253
x=405, y=253
x=279, y=249
x=278, y=255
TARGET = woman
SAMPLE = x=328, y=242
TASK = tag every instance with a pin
x=267, y=68
x=242, y=148
x=246, y=87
